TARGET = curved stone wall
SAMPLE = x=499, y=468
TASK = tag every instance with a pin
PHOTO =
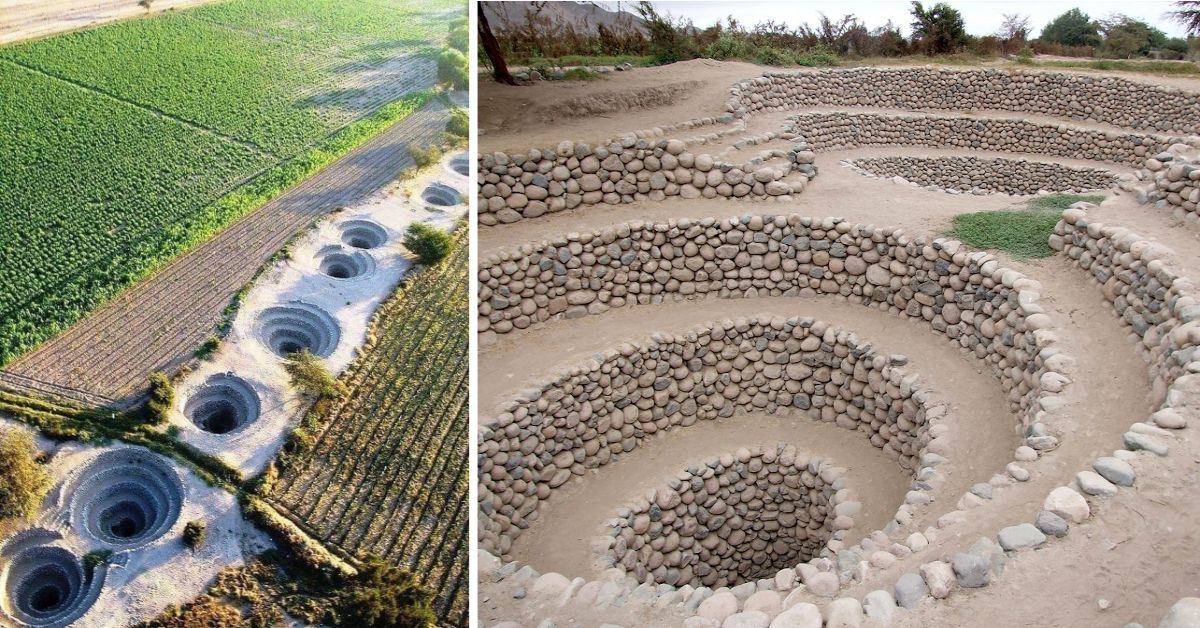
x=44, y=582
x=124, y=498
x=1103, y=99
x=973, y=175
x=1176, y=182
x=584, y=418
x=848, y=129
x=738, y=517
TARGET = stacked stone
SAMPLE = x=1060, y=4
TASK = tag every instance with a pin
x=1160, y=307
x=1098, y=99
x=517, y=186
x=988, y=176
x=841, y=130
x=735, y=518
x=1176, y=182
x=590, y=414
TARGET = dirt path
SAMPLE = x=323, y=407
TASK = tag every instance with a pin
x=27, y=19
x=156, y=325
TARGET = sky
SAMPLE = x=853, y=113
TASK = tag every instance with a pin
x=982, y=17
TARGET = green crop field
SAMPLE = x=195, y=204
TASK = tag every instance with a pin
x=389, y=474
x=126, y=144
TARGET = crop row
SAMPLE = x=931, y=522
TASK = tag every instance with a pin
x=389, y=474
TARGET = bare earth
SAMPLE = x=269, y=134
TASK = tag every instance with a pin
x=1137, y=553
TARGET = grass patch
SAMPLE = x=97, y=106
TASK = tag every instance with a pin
x=1022, y=233
x=581, y=74
x=1060, y=202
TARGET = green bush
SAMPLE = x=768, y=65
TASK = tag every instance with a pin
x=95, y=558
x=309, y=376
x=460, y=122
x=23, y=482
x=815, y=58
x=194, y=534
x=425, y=157
x=210, y=346
x=453, y=69
x=460, y=36
x=580, y=74
x=773, y=56
x=162, y=399
x=430, y=244
x=382, y=595
x=728, y=46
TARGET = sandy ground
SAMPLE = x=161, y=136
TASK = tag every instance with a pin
x=1135, y=555
x=350, y=302
x=27, y=19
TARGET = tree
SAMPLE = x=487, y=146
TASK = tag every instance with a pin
x=491, y=48
x=23, y=482
x=1014, y=30
x=383, y=595
x=939, y=30
x=1126, y=37
x=1187, y=13
x=1073, y=28
x=667, y=41
x=430, y=244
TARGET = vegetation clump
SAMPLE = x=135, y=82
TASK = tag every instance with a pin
x=195, y=533
x=23, y=482
x=430, y=244
x=384, y=596
x=453, y=68
x=161, y=400
x=1024, y=232
x=309, y=376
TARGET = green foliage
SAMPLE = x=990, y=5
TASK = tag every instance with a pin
x=1022, y=233
x=460, y=35
x=1059, y=202
x=939, y=29
x=580, y=74
x=309, y=376
x=161, y=399
x=1025, y=55
x=430, y=244
x=773, y=56
x=23, y=482
x=194, y=534
x=668, y=42
x=95, y=558
x=588, y=60
x=206, y=350
x=453, y=68
x=383, y=596
x=460, y=122
x=1126, y=37
x=425, y=157
x=1073, y=28
x=816, y=57
x=728, y=46
x=128, y=144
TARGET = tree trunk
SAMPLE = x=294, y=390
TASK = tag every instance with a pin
x=492, y=48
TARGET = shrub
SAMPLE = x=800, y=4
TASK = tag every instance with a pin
x=425, y=156
x=816, y=57
x=430, y=244
x=95, y=558
x=773, y=56
x=23, y=482
x=309, y=376
x=194, y=534
x=383, y=595
x=162, y=399
x=580, y=74
x=727, y=46
x=460, y=122
x=460, y=36
x=209, y=347
x=453, y=69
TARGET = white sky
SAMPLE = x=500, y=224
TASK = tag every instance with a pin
x=982, y=17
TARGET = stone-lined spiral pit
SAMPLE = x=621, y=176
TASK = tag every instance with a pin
x=736, y=518
x=223, y=404
x=441, y=195
x=335, y=262
x=125, y=498
x=297, y=326
x=460, y=164
x=44, y=585
x=363, y=234
x=973, y=175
